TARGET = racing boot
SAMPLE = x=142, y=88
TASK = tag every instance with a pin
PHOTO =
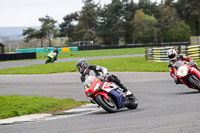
x=116, y=80
x=125, y=89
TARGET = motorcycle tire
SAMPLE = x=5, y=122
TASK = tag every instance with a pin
x=47, y=61
x=133, y=102
x=194, y=81
x=107, y=105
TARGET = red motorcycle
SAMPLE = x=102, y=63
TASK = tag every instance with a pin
x=108, y=95
x=188, y=75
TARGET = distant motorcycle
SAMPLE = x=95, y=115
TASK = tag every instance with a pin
x=188, y=75
x=108, y=95
x=51, y=58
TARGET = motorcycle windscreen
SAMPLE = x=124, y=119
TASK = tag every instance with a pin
x=118, y=95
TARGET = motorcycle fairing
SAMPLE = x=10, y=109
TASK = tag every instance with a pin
x=108, y=86
x=51, y=56
x=92, y=88
x=118, y=95
x=103, y=93
x=193, y=72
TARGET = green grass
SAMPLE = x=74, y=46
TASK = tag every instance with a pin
x=11, y=106
x=93, y=53
x=130, y=64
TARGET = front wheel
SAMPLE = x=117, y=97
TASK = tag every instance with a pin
x=194, y=81
x=133, y=102
x=48, y=61
x=108, y=105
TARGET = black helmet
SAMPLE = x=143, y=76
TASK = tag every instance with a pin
x=82, y=65
x=56, y=50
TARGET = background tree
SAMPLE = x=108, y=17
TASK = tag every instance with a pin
x=167, y=17
x=67, y=28
x=128, y=14
x=150, y=33
x=145, y=28
x=125, y=22
x=148, y=7
x=112, y=26
x=189, y=10
x=29, y=34
x=39, y=34
x=48, y=27
x=180, y=32
x=169, y=3
x=138, y=26
x=87, y=22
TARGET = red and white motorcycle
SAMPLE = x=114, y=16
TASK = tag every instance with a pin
x=188, y=75
x=108, y=95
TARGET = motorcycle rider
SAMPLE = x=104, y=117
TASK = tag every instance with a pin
x=173, y=57
x=100, y=72
x=56, y=52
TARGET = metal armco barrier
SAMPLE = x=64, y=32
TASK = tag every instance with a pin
x=157, y=54
x=194, y=51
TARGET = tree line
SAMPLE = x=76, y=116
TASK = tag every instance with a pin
x=124, y=22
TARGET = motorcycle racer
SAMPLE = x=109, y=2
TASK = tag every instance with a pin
x=173, y=57
x=56, y=52
x=100, y=72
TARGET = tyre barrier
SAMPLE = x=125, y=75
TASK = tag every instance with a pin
x=194, y=51
x=18, y=56
x=160, y=54
x=157, y=54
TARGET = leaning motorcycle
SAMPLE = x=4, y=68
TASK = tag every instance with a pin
x=108, y=95
x=188, y=75
x=51, y=58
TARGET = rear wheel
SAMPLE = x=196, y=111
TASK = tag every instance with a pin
x=108, y=105
x=194, y=81
x=133, y=102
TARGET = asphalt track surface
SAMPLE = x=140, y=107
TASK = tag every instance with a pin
x=163, y=106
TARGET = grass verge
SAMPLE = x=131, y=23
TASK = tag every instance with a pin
x=11, y=106
x=94, y=53
x=129, y=64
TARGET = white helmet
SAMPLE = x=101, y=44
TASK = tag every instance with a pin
x=171, y=54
